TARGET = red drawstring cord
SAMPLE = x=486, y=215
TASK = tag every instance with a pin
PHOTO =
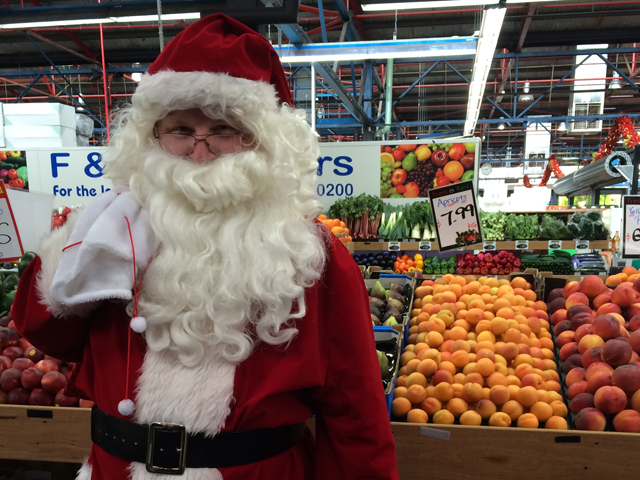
x=136, y=297
x=72, y=245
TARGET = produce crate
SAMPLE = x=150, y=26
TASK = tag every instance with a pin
x=386, y=280
x=383, y=337
x=47, y=434
x=489, y=453
x=549, y=282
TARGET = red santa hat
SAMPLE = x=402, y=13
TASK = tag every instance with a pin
x=216, y=61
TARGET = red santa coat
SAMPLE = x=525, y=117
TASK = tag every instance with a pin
x=329, y=370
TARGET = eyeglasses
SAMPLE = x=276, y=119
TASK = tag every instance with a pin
x=183, y=144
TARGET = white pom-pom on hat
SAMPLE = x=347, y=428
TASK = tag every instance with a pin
x=138, y=324
x=125, y=407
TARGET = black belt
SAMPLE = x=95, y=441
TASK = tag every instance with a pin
x=169, y=449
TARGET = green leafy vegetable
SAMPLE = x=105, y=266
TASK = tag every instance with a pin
x=553, y=228
x=521, y=227
x=492, y=224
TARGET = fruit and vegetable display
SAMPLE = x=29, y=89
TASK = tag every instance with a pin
x=589, y=264
x=410, y=171
x=389, y=306
x=521, y=227
x=480, y=353
x=486, y=263
x=588, y=226
x=28, y=376
x=552, y=228
x=337, y=227
x=414, y=221
x=13, y=169
x=384, y=260
x=361, y=215
x=597, y=332
x=558, y=262
x=439, y=266
x=387, y=356
x=492, y=225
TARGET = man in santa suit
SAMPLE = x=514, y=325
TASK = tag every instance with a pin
x=246, y=317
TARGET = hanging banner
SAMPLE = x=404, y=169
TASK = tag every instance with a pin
x=72, y=175
x=631, y=226
x=456, y=215
x=10, y=243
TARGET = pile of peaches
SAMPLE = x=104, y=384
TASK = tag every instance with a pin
x=597, y=330
x=480, y=352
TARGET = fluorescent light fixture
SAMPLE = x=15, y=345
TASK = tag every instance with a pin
x=378, y=7
x=136, y=76
x=492, y=19
x=535, y=1
x=91, y=21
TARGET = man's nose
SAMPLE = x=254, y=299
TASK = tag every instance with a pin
x=201, y=153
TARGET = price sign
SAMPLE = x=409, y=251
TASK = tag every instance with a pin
x=393, y=246
x=10, y=243
x=555, y=244
x=489, y=246
x=456, y=215
x=522, y=244
x=424, y=246
x=582, y=244
x=631, y=227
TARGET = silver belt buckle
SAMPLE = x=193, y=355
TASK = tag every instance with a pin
x=181, y=448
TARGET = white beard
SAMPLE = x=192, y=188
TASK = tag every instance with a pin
x=237, y=252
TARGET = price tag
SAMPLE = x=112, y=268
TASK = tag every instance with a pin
x=489, y=246
x=582, y=244
x=393, y=246
x=10, y=243
x=424, y=246
x=522, y=244
x=456, y=214
x=555, y=244
x=630, y=227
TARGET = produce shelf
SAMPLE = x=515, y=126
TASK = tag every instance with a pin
x=377, y=246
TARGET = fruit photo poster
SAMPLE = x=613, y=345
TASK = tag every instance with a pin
x=395, y=170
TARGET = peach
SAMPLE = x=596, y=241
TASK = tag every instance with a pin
x=579, y=320
x=634, y=341
x=632, y=311
x=627, y=378
x=634, y=322
x=582, y=331
x=597, y=367
x=627, y=421
x=591, y=286
x=577, y=309
x=570, y=288
x=565, y=337
x=577, y=298
x=608, y=308
x=567, y=350
x=527, y=396
x=592, y=355
x=616, y=352
x=558, y=316
x=635, y=401
x=528, y=420
x=600, y=379
x=572, y=362
x=542, y=411
x=606, y=326
x=610, y=400
x=581, y=401
x=555, y=293
x=443, y=417
x=556, y=423
x=591, y=341
x=623, y=296
x=486, y=408
x=557, y=304
x=601, y=299
x=470, y=417
x=472, y=392
x=577, y=388
x=590, y=419
x=457, y=406
x=559, y=408
x=431, y=405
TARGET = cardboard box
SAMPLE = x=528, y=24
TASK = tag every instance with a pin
x=39, y=114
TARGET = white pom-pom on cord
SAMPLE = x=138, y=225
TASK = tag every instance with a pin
x=125, y=407
x=138, y=324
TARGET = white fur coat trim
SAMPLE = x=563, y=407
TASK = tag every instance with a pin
x=197, y=397
x=100, y=266
x=184, y=90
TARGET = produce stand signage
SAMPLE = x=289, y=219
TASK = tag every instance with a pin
x=424, y=246
x=489, y=245
x=555, y=244
x=456, y=215
x=10, y=243
x=631, y=227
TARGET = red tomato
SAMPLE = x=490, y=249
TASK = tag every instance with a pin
x=17, y=182
x=442, y=181
x=12, y=173
x=398, y=154
x=388, y=149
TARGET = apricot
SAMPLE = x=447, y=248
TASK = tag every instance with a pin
x=486, y=408
x=400, y=407
x=416, y=378
x=527, y=396
x=443, y=392
x=484, y=367
x=457, y=406
x=470, y=417
x=513, y=380
x=431, y=405
x=460, y=358
x=556, y=423
x=499, y=394
x=474, y=378
x=590, y=419
x=472, y=392
x=427, y=367
x=509, y=351
x=416, y=394
x=442, y=376
x=528, y=420
x=513, y=409
x=610, y=400
x=559, y=408
x=513, y=391
x=411, y=367
x=500, y=419
x=443, y=417
x=497, y=378
x=532, y=380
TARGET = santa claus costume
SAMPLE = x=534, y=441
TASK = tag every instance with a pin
x=204, y=299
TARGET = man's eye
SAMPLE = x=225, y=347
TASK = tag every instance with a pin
x=224, y=130
x=183, y=130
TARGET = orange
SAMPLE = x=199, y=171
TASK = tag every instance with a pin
x=453, y=170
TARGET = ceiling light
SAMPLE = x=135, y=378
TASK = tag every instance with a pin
x=501, y=126
x=387, y=5
x=90, y=21
x=615, y=83
x=136, y=76
x=79, y=107
x=492, y=19
x=527, y=97
x=562, y=127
